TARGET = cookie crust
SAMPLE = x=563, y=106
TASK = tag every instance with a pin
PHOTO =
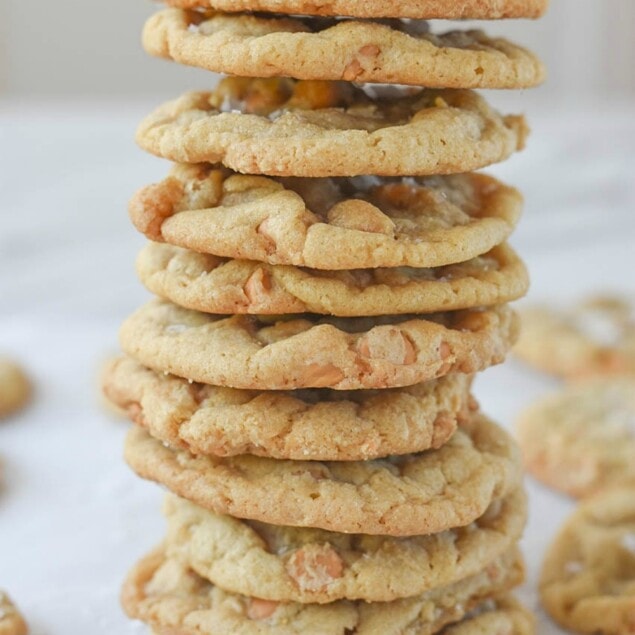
x=410, y=495
x=291, y=564
x=329, y=49
x=175, y=601
x=328, y=224
x=310, y=351
x=415, y=9
x=500, y=615
x=311, y=425
x=285, y=127
x=217, y=285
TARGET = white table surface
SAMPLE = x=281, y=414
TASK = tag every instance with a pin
x=73, y=518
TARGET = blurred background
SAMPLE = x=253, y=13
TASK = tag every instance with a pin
x=74, y=83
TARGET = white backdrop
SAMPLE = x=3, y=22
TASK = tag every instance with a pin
x=73, y=518
x=83, y=48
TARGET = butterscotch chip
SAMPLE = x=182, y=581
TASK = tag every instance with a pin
x=362, y=216
x=587, y=582
x=398, y=52
x=417, y=9
x=171, y=598
x=310, y=424
x=328, y=224
x=11, y=621
x=391, y=345
x=283, y=127
x=594, y=337
x=311, y=351
x=218, y=285
x=582, y=439
x=258, y=609
x=15, y=388
x=315, y=566
x=415, y=494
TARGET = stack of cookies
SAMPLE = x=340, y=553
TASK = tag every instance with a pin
x=330, y=275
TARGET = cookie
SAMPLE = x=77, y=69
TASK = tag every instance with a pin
x=416, y=9
x=582, y=439
x=286, y=127
x=15, y=388
x=108, y=406
x=217, y=285
x=311, y=351
x=173, y=600
x=11, y=621
x=594, y=337
x=328, y=223
x=587, y=582
x=414, y=494
x=293, y=564
x=312, y=424
x=397, y=52
x=501, y=616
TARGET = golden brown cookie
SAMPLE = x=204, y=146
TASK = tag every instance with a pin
x=582, y=439
x=588, y=576
x=396, y=52
x=416, y=9
x=593, y=337
x=11, y=621
x=298, y=564
x=15, y=388
x=173, y=600
x=217, y=285
x=308, y=351
x=287, y=127
x=331, y=224
x=414, y=494
x=314, y=424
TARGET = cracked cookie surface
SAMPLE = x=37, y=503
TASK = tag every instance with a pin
x=217, y=285
x=396, y=52
x=310, y=424
x=173, y=600
x=416, y=9
x=288, y=127
x=293, y=564
x=331, y=224
x=582, y=439
x=587, y=582
x=309, y=351
x=414, y=494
